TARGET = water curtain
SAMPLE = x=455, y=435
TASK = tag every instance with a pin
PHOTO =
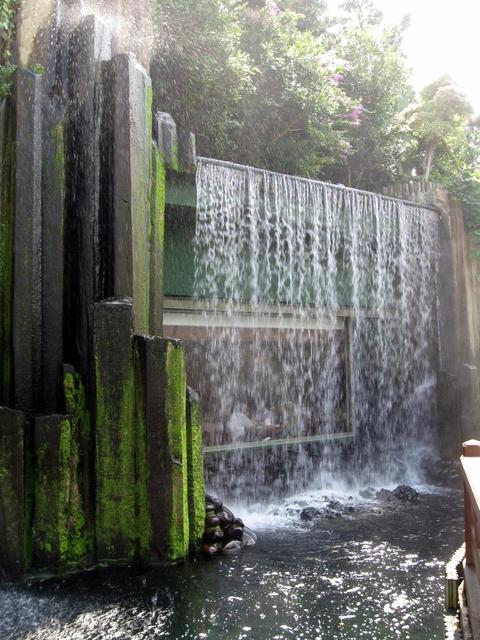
x=320, y=308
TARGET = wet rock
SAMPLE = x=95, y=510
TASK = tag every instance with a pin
x=406, y=494
x=233, y=532
x=209, y=549
x=212, y=520
x=224, y=532
x=232, y=547
x=247, y=539
x=225, y=517
x=214, y=534
x=215, y=503
x=367, y=493
x=310, y=513
x=403, y=492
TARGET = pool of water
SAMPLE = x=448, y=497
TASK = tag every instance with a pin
x=376, y=573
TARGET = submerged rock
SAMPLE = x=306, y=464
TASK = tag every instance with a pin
x=406, y=494
x=310, y=513
x=234, y=546
x=403, y=492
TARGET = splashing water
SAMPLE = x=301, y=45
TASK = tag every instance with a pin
x=319, y=304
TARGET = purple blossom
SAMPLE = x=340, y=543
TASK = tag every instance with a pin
x=272, y=8
x=337, y=77
x=354, y=115
x=343, y=156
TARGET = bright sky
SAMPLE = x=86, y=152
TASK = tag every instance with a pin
x=444, y=37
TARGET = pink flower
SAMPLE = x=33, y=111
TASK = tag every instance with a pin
x=337, y=77
x=354, y=115
x=272, y=8
x=343, y=156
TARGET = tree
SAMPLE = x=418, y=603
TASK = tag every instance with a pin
x=439, y=120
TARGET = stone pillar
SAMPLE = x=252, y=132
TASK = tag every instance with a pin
x=7, y=209
x=131, y=124
x=116, y=528
x=14, y=529
x=196, y=480
x=52, y=445
x=160, y=372
x=157, y=204
x=89, y=46
x=27, y=323
x=53, y=222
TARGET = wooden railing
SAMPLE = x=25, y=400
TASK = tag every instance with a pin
x=470, y=461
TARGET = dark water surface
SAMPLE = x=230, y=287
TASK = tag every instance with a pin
x=376, y=574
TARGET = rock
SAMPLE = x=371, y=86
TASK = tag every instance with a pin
x=247, y=539
x=234, y=532
x=214, y=503
x=238, y=521
x=232, y=547
x=252, y=535
x=385, y=495
x=225, y=517
x=367, y=493
x=209, y=549
x=214, y=534
x=212, y=520
x=403, y=492
x=406, y=494
x=310, y=513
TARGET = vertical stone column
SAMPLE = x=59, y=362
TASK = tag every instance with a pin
x=131, y=147
x=14, y=529
x=196, y=480
x=53, y=222
x=89, y=46
x=160, y=372
x=27, y=324
x=7, y=209
x=116, y=527
x=157, y=221
x=52, y=445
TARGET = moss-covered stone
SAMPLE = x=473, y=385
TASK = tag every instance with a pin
x=13, y=523
x=115, y=436
x=196, y=478
x=80, y=528
x=52, y=437
x=175, y=412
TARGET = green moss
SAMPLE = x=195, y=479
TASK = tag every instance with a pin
x=196, y=479
x=116, y=529
x=80, y=543
x=52, y=491
x=12, y=523
x=144, y=528
x=175, y=409
x=7, y=204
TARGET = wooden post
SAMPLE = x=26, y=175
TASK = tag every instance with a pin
x=471, y=449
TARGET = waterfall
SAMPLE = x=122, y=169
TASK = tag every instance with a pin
x=319, y=308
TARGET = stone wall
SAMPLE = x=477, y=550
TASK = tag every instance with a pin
x=100, y=456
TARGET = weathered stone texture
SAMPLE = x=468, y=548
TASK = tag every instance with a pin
x=116, y=530
x=13, y=528
x=196, y=480
x=28, y=242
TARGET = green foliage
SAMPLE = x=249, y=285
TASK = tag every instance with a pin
x=285, y=85
x=8, y=10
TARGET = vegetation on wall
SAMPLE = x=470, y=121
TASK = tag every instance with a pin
x=8, y=10
x=286, y=85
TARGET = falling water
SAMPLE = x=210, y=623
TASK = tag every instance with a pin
x=319, y=304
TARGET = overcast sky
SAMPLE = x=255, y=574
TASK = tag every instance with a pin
x=444, y=37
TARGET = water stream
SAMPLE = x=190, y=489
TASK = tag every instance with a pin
x=320, y=310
